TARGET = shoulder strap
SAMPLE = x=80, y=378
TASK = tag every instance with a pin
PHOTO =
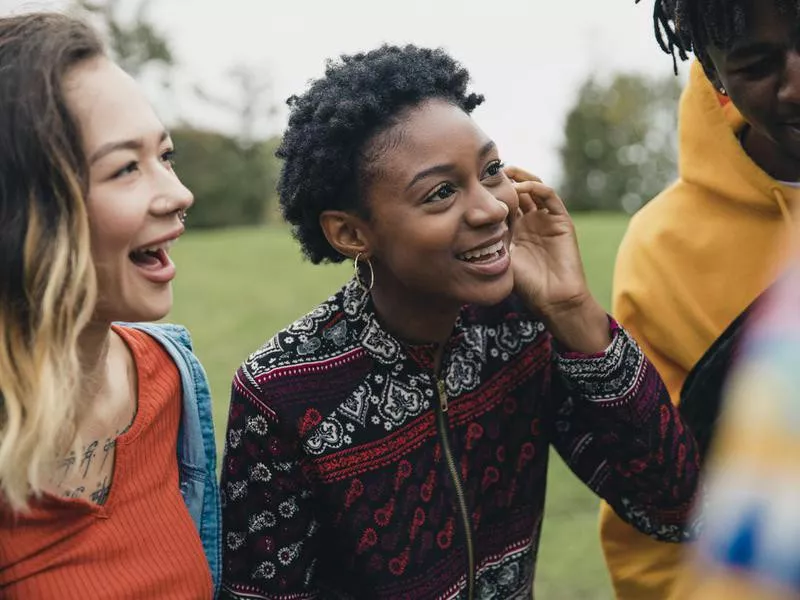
x=703, y=391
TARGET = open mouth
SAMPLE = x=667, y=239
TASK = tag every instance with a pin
x=152, y=257
x=486, y=254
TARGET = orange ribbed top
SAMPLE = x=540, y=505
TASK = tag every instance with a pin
x=142, y=542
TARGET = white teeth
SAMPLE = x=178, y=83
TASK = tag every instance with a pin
x=165, y=247
x=496, y=247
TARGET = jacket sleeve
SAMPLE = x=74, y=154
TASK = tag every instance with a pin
x=615, y=427
x=270, y=533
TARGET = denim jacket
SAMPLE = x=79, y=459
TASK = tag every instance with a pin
x=197, y=459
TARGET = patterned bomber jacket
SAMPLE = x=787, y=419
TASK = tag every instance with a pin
x=353, y=470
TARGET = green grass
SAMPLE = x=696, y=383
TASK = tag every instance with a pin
x=236, y=288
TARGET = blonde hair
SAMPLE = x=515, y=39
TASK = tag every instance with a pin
x=48, y=290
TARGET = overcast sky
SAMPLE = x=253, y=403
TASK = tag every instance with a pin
x=526, y=56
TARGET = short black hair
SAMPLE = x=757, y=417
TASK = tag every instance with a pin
x=331, y=124
x=683, y=26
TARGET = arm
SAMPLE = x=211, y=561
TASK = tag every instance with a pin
x=549, y=278
x=615, y=427
x=269, y=531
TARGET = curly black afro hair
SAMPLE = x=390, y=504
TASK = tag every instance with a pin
x=326, y=148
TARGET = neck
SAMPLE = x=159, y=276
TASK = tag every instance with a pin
x=411, y=317
x=93, y=347
x=769, y=156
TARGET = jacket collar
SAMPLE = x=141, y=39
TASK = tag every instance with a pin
x=365, y=325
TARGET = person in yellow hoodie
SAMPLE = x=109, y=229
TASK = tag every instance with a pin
x=698, y=256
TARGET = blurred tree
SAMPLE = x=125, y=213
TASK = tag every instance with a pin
x=248, y=100
x=134, y=43
x=620, y=147
x=229, y=189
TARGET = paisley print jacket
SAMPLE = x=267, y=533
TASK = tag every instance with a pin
x=353, y=470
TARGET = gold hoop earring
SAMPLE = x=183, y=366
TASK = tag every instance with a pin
x=358, y=273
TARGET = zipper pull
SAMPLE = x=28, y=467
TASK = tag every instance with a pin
x=442, y=395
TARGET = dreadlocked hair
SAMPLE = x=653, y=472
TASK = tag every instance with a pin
x=683, y=26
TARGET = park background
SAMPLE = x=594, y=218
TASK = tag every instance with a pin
x=576, y=91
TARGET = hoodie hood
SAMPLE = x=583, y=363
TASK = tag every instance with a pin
x=710, y=155
x=691, y=261
x=697, y=255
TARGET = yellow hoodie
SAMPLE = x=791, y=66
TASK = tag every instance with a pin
x=691, y=261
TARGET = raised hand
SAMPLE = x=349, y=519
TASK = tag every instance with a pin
x=548, y=271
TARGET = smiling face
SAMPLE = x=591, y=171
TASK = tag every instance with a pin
x=135, y=199
x=439, y=203
x=761, y=74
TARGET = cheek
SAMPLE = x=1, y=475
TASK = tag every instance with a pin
x=114, y=226
x=754, y=100
x=425, y=242
x=508, y=195
x=113, y=233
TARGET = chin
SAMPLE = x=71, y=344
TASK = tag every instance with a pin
x=140, y=310
x=154, y=311
x=490, y=294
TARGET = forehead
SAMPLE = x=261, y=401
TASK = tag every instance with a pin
x=435, y=132
x=108, y=104
x=760, y=20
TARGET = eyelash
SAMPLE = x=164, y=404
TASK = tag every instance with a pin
x=436, y=195
x=761, y=67
x=493, y=170
x=498, y=165
x=167, y=157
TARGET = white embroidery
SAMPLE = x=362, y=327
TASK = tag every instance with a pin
x=327, y=434
x=289, y=553
x=265, y=570
x=288, y=508
x=260, y=472
x=261, y=521
x=380, y=345
x=400, y=403
x=234, y=438
x=355, y=407
x=235, y=540
x=463, y=375
x=258, y=425
x=237, y=490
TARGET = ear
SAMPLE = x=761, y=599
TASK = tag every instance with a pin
x=713, y=76
x=346, y=232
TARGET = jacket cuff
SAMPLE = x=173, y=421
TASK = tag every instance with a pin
x=610, y=375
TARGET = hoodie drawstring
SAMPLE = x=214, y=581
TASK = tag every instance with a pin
x=783, y=206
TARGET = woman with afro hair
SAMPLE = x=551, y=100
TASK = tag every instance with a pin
x=393, y=442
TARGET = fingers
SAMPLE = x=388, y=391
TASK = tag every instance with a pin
x=519, y=175
x=526, y=201
x=542, y=197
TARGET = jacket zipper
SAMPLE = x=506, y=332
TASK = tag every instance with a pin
x=462, y=501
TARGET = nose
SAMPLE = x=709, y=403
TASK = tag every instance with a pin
x=171, y=195
x=486, y=209
x=789, y=90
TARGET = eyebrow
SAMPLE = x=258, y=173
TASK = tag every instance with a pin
x=136, y=144
x=446, y=167
x=751, y=50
